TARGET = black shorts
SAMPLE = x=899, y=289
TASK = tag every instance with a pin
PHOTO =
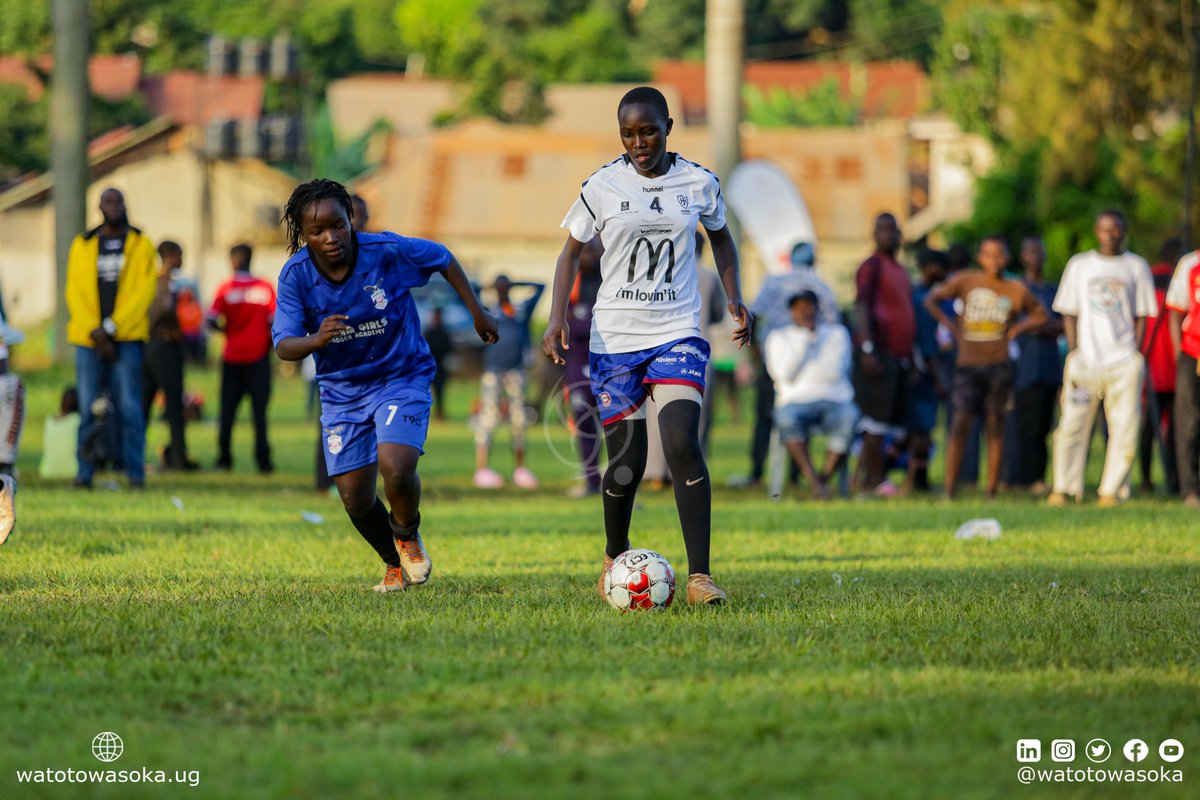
x=986, y=389
x=883, y=401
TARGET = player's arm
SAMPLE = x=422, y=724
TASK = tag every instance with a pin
x=560, y=293
x=485, y=324
x=298, y=348
x=1139, y=326
x=725, y=255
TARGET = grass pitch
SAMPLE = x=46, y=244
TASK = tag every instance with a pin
x=865, y=653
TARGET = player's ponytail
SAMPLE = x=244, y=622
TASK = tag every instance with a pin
x=304, y=196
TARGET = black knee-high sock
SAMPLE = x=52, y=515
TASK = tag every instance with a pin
x=376, y=528
x=626, y=443
x=679, y=422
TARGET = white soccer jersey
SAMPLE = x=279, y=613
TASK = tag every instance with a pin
x=649, y=294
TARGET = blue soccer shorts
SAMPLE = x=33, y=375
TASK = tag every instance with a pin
x=620, y=380
x=396, y=413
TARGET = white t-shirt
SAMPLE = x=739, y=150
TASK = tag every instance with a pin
x=809, y=366
x=648, y=292
x=1106, y=294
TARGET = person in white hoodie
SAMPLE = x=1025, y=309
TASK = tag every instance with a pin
x=12, y=419
x=809, y=361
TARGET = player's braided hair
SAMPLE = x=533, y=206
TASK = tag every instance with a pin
x=645, y=95
x=304, y=196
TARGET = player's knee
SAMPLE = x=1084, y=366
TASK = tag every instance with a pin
x=357, y=501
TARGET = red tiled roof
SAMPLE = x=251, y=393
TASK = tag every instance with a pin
x=113, y=77
x=193, y=98
x=892, y=88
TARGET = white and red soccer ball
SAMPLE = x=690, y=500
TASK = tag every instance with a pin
x=639, y=580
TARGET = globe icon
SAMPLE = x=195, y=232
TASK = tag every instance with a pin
x=107, y=746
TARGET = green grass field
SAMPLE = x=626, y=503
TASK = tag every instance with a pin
x=865, y=653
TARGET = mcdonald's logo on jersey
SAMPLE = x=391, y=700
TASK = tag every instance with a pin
x=653, y=258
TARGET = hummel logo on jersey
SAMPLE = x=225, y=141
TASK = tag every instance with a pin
x=378, y=296
x=652, y=188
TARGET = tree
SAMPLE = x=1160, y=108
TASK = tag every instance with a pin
x=1085, y=94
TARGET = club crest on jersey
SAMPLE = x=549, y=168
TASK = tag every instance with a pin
x=378, y=296
x=333, y=438
x=683, y=200
x=605, y=399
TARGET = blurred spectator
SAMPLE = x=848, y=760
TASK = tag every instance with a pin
x=1183, y=300
x=1158, y=413
x=927, y=387
x=243, y=310
x=885, y=323
x=191, y=321
x=504, y=372
x=1037, y=378
x=1105, y=296
x=983, y=374
x=441, y=347
x=582, y=402
x=12, y=422
x=809, y=362
x=164, y=359
x=771, y=312
x=60, y=439
x=110, y=285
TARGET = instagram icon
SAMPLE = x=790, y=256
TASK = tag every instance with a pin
x=1062, y=750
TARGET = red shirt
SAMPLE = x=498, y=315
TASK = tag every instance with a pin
x=248, y=304
x=883, y=286
x=1159, y=352
x=1183, y=296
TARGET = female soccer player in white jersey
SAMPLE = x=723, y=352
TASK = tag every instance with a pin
x=646, y=338
x=344, y=297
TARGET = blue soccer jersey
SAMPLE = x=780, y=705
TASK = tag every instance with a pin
x=386, y=344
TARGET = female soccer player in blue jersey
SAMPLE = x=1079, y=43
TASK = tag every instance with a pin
x=646, y=339
x=344, y=297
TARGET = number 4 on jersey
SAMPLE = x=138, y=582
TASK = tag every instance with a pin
x=656, y=205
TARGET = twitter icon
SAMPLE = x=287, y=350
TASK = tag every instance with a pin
x=1098, y=751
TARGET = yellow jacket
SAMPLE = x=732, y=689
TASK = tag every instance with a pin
x=135, y=288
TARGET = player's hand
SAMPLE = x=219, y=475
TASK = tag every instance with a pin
x=745, y=323
x=485, y=326
x=331, y=327
x=554, y=337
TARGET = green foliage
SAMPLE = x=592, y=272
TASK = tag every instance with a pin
x=342, y=162
x=24, y=143
x=1078, y=98
x=824, y=106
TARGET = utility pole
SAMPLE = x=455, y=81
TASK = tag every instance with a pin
x=69, y=102
x=724, y=47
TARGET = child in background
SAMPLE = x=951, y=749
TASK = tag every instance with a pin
x=60, y=439
x=504, y=372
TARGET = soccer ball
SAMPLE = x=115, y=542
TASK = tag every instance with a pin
x=639, y=580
